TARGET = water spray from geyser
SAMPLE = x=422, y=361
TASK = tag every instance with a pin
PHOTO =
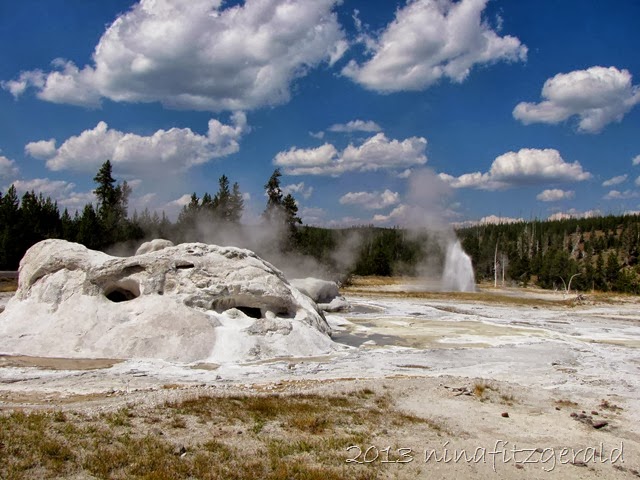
x=458, y=273
x=427, y=209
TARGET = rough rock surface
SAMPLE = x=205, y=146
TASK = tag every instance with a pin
x=187, y=303
x=325, y=293
x=153, y=246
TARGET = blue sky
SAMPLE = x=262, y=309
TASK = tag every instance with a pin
x=384, y=112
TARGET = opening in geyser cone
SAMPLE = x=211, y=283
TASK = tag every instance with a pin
x=458, y=273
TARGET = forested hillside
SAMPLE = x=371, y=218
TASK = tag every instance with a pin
x=598, y=253
x=602, y=252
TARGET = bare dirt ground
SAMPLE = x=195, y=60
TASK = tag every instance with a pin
x=502, y=383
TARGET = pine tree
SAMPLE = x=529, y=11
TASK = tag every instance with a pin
x=236, y=203
x=222, y=199
x=89, y=228
x=9, y=230
x=105, y=192
x=113, y=203
x=290, y=208
x=612, y=269
x=273, y=212
x=68, y=227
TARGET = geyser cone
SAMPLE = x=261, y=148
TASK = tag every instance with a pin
x=458, y=273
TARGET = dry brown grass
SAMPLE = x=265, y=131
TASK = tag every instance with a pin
x=369, y=286
x=566, y=403
x=237, y=437
x=486, y=391
x=8, y=285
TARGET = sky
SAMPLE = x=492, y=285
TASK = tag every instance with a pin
x=376, y=111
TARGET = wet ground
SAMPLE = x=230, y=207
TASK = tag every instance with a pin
x=589, y=349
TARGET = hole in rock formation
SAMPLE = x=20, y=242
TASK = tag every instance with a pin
x=122, y=291
x=118, y=295
x=252, y=312
x=184, y=266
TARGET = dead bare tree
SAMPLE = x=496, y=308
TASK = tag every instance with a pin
x=567, y=288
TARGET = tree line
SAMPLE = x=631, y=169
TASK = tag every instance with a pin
x=599, y=253
x=31, y=218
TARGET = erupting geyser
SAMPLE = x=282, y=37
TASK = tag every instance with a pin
x=458, y=271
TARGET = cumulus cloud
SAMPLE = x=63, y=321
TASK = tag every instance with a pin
x=198, y=55
x=8, y=167
x=597, y=96
x=35, y=78
x=615, y=181
x=397, y=216
x=405, y=173
x=573, y=213
x=489, y=220
x=52, y=188
x=636, y=160
x=430, y=40
x=555, y=195
x=528, y=166
x=42, y=149
x=164, y=152
x=618, y=195
x=376, y=153
x=371, y=200
x=298, y=188
x=181, y=201
x=313, y=215
x=356, y=126
x=61, y=191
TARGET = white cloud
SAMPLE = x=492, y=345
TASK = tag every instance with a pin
x=573, y=213
x=163, y=152
x=618, y=195
x=60, y=191
x=313, y=215
x=319, y=135
x=376, y=153
x=528, y=166
x=51, y=188
x=397, y=216
x=8, y=167
x=598, y=96
x=356, y=126
x=298, y=188
x=42, y=149
x=143, y=201
x=405, y=173
x=615, y=181
x=35, y=78
x=180, y=202
x=488, y=220
x=371, y=200
x=198, y=55
x=429, y=40
x=636, y=160
x=496, y=220
x=134, y=183
x=555, y=195
x=75, y=201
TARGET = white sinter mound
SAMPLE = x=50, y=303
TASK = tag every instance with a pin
x=324, y=292
x=187, y=303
